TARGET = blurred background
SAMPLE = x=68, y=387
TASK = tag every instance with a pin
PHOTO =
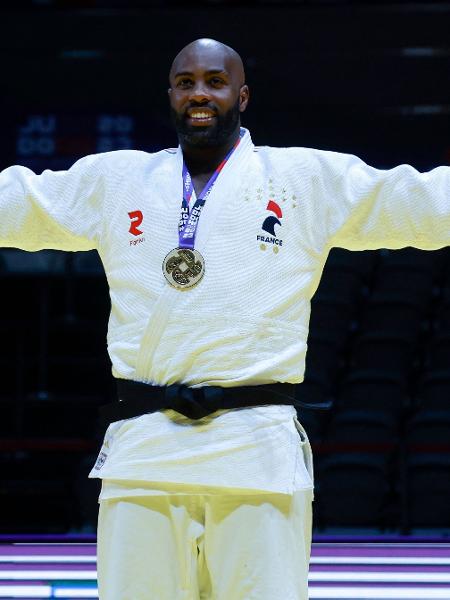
x=368, y=78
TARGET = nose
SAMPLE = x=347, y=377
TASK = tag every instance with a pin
x=199, y=92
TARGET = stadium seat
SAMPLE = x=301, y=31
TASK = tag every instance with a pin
x=441, y=320
x=21, y=298
x=383, y=350
x=323, y=357
x=362, y=427
x=428, y=490
x=78, y=337
x=408, y=271
x=87, y=263
x=352, y=490
x=438, y=356
x=37, y=486
x=84, y=296
x=344, y=285
x=331, y=317
x=362, y=262
x=428, y=427
x=53, y=506
x=393, y=312
x=433, y=390
x=314, y=389
x=86, y=492
x=313, y=422
x=373, y=390
x=18, y=373
x=62, y=416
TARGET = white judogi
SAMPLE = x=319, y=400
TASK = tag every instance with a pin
x=247, y=320
x=265, y=233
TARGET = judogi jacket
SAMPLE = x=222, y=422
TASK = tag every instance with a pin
x=264, y=232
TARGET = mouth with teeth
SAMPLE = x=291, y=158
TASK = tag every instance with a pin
x=200, y=117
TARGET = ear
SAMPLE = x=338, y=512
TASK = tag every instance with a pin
x=244, y=96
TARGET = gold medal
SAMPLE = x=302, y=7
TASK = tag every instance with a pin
x=183, y=267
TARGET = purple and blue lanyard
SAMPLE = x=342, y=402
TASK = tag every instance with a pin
x=187, y=227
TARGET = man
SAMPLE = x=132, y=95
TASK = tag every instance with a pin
x=212, y=252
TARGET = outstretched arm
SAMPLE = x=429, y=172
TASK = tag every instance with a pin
x=369, y=208
x=57, y=209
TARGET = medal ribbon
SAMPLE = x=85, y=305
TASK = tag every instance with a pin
x=187, y=227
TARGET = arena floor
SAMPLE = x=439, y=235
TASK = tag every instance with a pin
x=346, y=571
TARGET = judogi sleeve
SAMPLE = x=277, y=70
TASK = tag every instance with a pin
x=59, y=210
x=368, y=208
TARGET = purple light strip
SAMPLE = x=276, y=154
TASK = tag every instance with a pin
x=51, y=566
x=54, y=549
x=91, y=538
x=72, y=538
x=410, y=549
x=317, y=539
x=374, y=539
x=379, y=584
x=380, y=568
x=401, y=550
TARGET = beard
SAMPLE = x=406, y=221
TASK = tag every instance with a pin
x=209, y=135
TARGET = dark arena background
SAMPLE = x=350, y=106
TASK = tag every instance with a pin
x=366, y=78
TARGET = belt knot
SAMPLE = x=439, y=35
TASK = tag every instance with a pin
x=194, y=403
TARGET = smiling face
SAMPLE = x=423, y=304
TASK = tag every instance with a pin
x=207, y=93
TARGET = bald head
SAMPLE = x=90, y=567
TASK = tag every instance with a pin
x=209, y=50
x=210, y=75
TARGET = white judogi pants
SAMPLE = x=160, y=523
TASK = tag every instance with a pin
x=205, y=547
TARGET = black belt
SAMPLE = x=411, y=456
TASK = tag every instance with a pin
x=136, y=398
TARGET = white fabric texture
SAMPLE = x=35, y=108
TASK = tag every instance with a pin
x=199, y=547
x=227, y=452
x=246, y=322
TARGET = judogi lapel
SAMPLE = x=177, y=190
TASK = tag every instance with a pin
x=227, y=185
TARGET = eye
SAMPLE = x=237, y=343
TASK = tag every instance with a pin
x=216, y=80
x=184, y=83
